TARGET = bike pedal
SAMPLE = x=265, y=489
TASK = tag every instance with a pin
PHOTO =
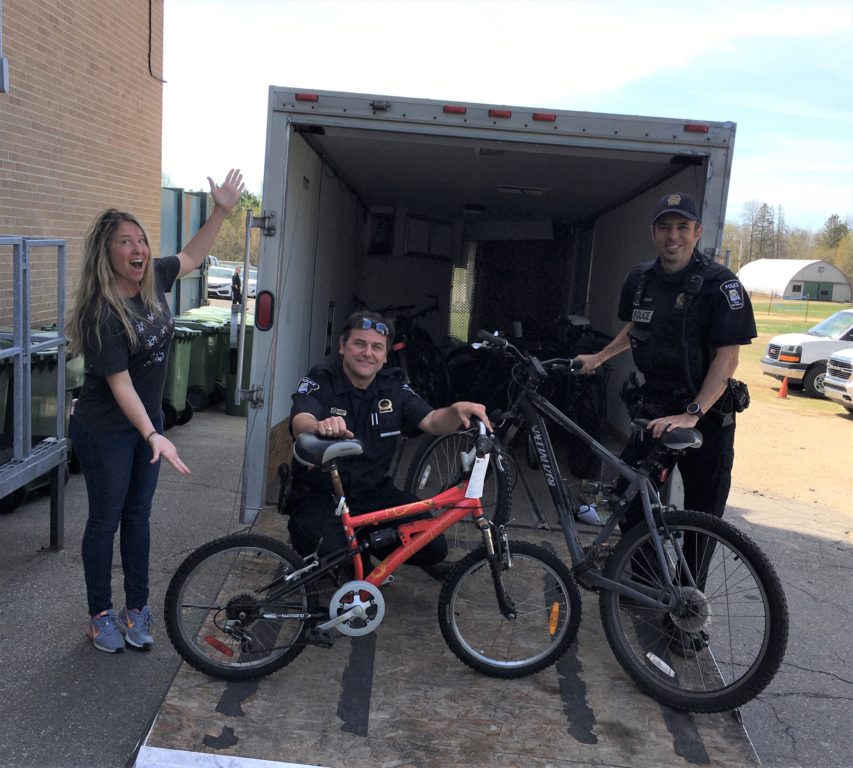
x=321, y=638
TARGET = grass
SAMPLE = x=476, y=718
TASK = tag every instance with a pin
x=774, y=315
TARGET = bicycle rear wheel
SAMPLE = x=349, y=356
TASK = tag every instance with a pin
x=437, y=467
x=547, y=606
x=725, y=643
x=222, y=612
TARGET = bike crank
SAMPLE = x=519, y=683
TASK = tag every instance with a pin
x=356, y=609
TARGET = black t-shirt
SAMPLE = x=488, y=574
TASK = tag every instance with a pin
x=375, y=416
x=96, y=405
x=718, y=312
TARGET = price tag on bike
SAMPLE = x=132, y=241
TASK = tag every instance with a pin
x=478, y=477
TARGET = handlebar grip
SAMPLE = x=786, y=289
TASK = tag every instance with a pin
x=497, y=341
x=482, y=443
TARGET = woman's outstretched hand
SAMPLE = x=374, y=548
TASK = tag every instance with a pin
x=227, y=194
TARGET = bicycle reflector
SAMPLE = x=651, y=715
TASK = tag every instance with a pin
x=553, y=618
x=219, y=645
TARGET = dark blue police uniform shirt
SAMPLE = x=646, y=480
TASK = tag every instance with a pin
x=376, y=416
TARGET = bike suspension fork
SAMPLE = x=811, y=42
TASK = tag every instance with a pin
x=498, y=555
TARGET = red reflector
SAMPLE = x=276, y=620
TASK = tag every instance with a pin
x=500, y=113
x=398, y=346
x=264, y=310
x=307, y=97
x=449, y=109
x=545, y=117
x=697, y=128
x=218, y=645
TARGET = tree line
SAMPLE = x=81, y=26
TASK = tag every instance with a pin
x=762, y=233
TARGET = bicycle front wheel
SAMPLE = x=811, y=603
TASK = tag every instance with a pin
x=227, y=612
x=438, y=467
x=546, y=602
x=724, y=643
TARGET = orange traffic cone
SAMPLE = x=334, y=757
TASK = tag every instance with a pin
x=783, y=390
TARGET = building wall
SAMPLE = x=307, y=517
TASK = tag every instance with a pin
x=80, y=128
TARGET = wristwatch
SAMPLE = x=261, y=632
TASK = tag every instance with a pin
x=694, y=409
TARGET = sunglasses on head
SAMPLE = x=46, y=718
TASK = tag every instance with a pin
x=367, y=324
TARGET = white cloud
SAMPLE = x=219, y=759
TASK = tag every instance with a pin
x=220, y=58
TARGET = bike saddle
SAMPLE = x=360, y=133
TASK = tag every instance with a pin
x=313, y=451
x=682, y=438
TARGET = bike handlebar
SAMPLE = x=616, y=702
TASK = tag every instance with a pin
x=539, y=367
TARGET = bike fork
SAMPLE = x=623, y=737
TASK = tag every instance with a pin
x=498, y=555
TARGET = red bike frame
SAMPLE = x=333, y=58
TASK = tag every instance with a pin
x=415, y=535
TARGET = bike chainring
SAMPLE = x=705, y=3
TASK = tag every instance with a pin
x=358, y=593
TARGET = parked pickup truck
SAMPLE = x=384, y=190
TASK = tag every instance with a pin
x=838, y=384
x=801, y=357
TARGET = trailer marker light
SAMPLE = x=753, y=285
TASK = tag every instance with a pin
x=545, y=117
x=450, y=109
x=697, y=128
x=264, y=310
x=500, y=113
x=307, y=97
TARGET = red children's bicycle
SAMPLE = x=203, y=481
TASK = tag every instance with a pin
x=246, y=605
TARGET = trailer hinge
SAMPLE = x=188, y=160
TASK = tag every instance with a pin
x=380, y=106
x=265, y=222
x=254, y=396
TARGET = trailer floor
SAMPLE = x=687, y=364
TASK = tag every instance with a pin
x=399, y=697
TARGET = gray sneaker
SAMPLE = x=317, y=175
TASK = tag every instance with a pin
x=136, y=625
x=104, y=633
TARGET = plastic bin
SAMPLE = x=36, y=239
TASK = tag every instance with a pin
x=42, y=384
x=176, y=409
x=208, y=355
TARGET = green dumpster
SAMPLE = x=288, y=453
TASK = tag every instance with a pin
x=208, y=354
x=42, y=383
x=176, y=409
x=42, y=402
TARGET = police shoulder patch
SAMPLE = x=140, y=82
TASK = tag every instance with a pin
x=733, y=291
x=307, y=386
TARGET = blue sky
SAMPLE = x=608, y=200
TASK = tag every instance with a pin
x=783, y=71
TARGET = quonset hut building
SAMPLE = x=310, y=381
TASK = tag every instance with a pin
x=796, y=279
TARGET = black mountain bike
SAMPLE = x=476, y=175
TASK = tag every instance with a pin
x=691, y=607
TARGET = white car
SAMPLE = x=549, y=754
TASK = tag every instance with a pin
x=801, y=357
x=838, y=382
x=219, y=282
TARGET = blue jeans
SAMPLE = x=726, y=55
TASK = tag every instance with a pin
x=120, y=483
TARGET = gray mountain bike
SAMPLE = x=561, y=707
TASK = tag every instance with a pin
x=691, y=607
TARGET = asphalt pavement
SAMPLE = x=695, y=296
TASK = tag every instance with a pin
x=63, y=704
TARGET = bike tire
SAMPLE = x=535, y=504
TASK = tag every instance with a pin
x=436, y=467
x=547, y=604
x=229, y=579
x=740, y=607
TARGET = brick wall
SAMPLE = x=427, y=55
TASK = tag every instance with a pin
x=80, y=129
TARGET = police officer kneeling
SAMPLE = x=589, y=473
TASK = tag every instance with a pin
x=355, y=397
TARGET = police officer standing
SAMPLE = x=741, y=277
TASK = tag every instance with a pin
x=686, y=318
x=356, y=397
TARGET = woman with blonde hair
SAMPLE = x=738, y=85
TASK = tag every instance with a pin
x=121, y=324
